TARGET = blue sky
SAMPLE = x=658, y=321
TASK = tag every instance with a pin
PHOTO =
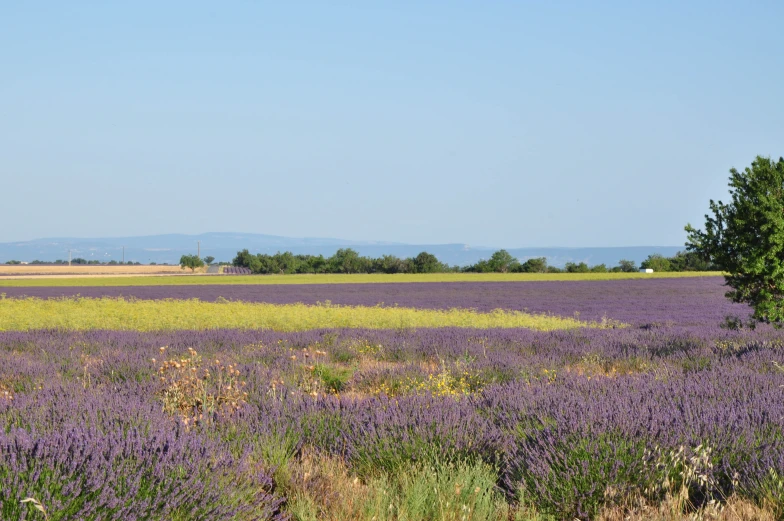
x=489, y=123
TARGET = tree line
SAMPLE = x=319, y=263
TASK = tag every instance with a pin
x=79, y=260
x=347, y=260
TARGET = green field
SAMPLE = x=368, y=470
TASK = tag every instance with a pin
x=340, y=279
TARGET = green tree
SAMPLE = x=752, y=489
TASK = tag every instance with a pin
x=426, y=263
x=481, y=266
x=266, y=264
x=345, y=260
x=535, y=265
x=208, y=259
x=656, y=262
x=502, y=262
x=390, y=264
x=599, y=268
x=245, y=259
x=582, y=267
x=317, y=264
x=689, y=261
x=627, y=266
x=745, y=238
x=287, y=262
x=191, y=261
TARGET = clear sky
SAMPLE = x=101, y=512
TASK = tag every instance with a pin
x=499, y=123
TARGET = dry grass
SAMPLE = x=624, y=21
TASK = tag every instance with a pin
x=321, y=487
x=38, y=271
x=200, y=391
x=5, y=393
x=735, y=509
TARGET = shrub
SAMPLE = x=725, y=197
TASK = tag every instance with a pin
x=200, y=394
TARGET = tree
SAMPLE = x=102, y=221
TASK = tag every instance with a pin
x=599, y=268
x=502, y=261
x=191, y=261
x=582, y=267
x=266, y=264
x=245, y=259
x=745, y=238
x=389, y=264
x=287, y=262
x=426, y=263
x=318, y=264
x=481, y=266
x=689, y=261
x=656, y=262
x=627, y=266
x=535, y=265
x=208, y=259
x=345, y=260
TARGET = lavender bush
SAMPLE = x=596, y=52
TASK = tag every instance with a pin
x=95, y=449
x=573, y=421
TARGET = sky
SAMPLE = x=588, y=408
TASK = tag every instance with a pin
x=499, y=123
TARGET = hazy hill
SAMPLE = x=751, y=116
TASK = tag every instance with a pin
x=224, y=246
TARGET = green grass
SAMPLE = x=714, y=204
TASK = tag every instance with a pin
x=173, y=315
x=339, y=279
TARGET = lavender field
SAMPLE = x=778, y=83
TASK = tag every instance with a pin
x=685, y=301
x=671, y=416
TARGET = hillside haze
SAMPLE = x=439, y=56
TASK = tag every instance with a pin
x=224, y=246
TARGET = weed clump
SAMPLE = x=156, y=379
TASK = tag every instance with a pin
x=200, y=392
x=5, y=393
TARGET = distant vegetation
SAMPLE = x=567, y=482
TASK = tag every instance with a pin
x=191, y=261
x=349, y=261
x=79, y=261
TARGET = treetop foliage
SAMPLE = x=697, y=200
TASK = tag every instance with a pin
x=191, y=261
x=745, y=238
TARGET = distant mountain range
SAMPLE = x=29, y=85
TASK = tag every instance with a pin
x=224, y=246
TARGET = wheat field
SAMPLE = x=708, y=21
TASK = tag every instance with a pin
x=23, y=271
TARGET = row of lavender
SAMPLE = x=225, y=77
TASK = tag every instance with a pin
x=686, y=302
x=578, y=420
x=234, y=270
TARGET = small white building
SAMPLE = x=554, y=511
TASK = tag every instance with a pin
x=646, y=270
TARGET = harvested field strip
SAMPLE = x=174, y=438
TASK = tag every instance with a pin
x=170, y=315
x=343, y=279
x=85, y=270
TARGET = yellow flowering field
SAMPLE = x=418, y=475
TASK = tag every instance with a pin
x=169, y=314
